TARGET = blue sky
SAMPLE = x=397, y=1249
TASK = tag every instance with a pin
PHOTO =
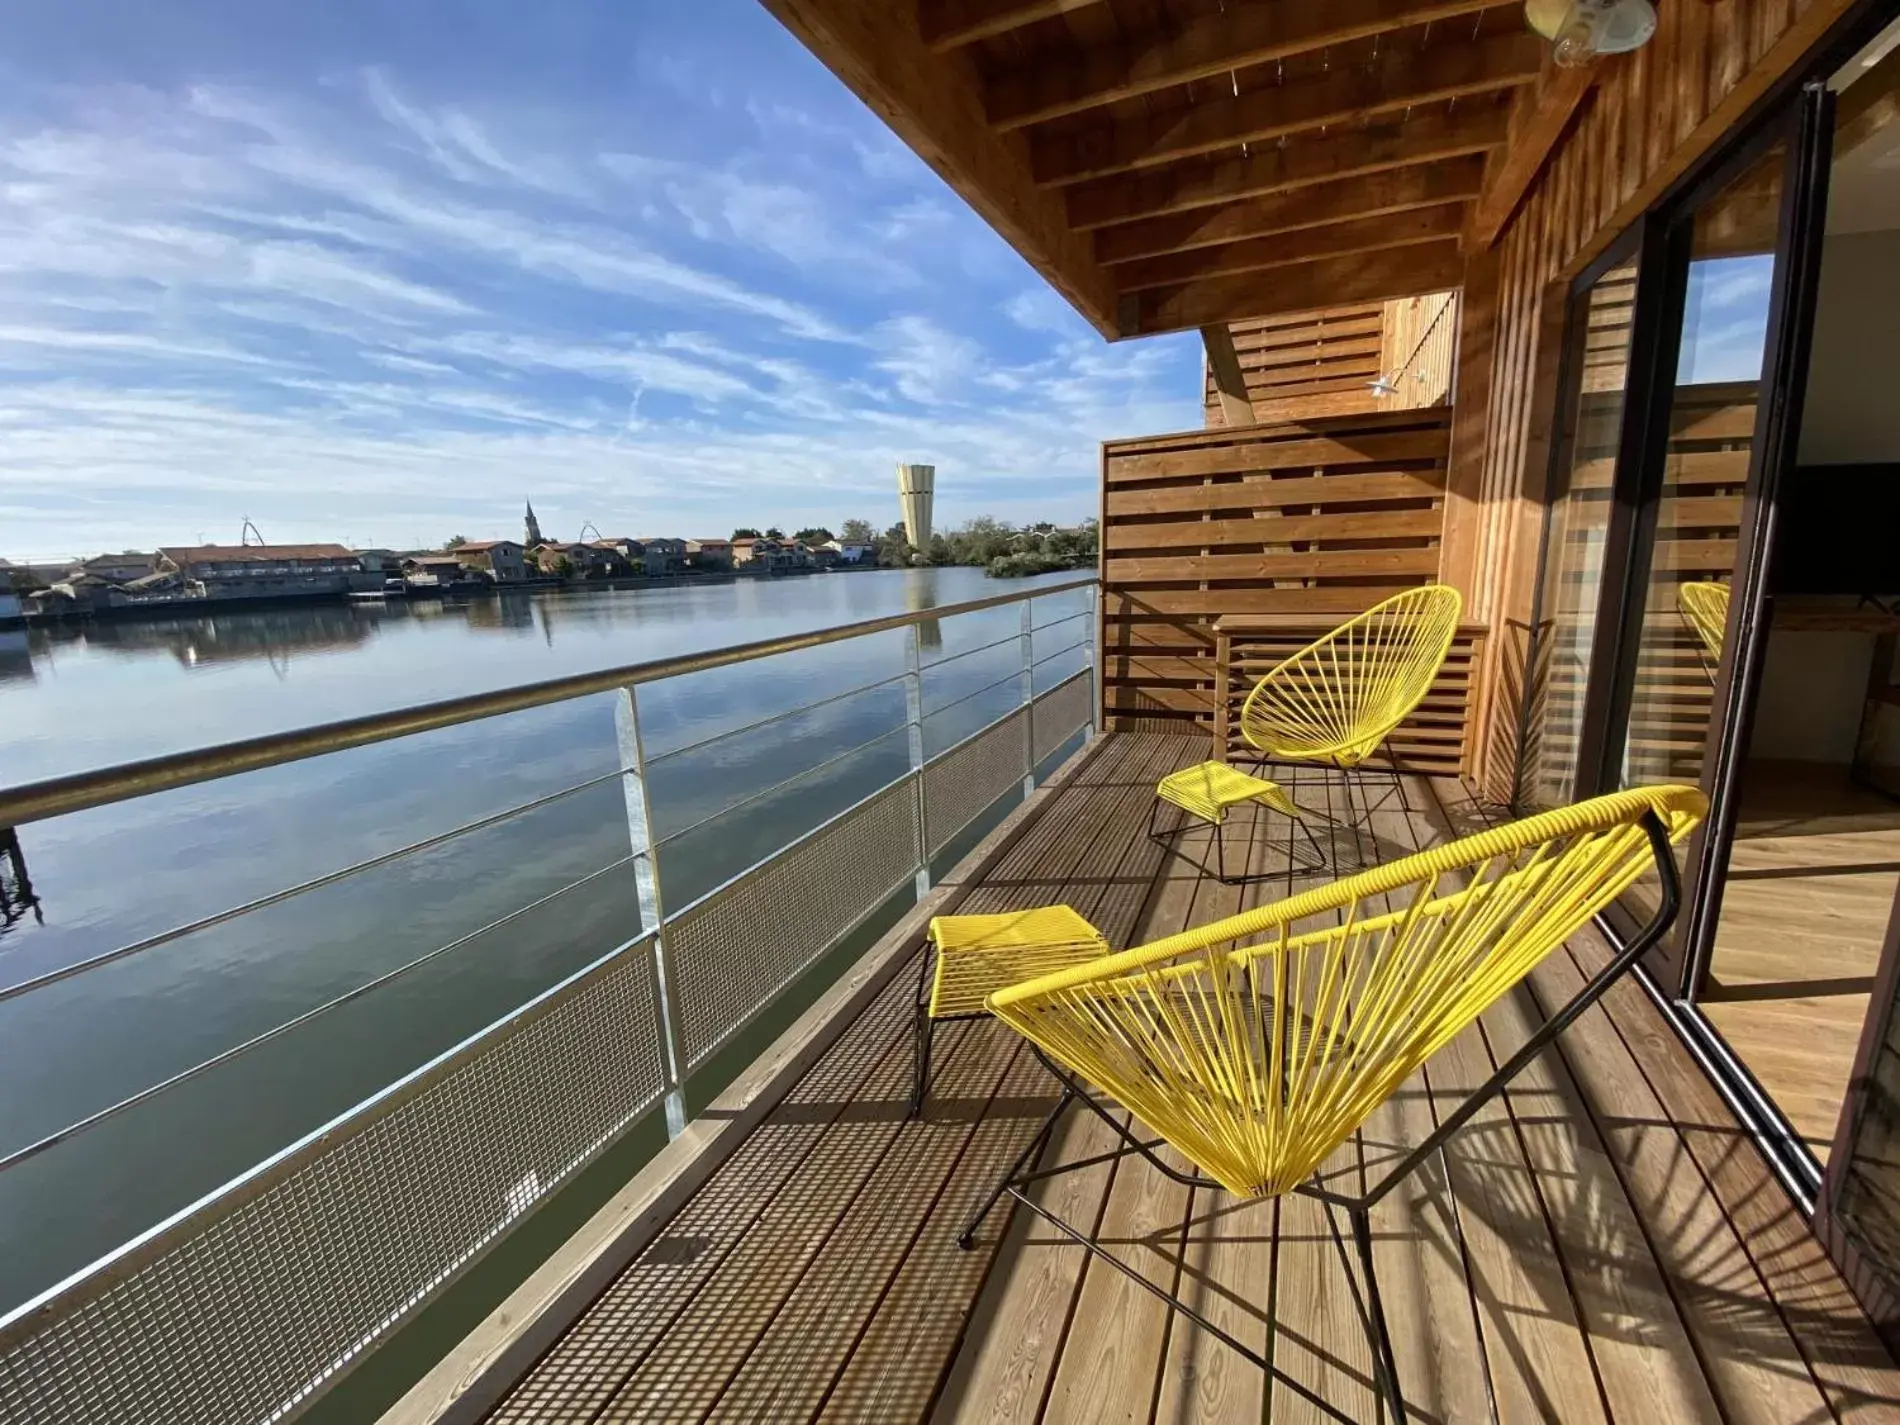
x=376, y=272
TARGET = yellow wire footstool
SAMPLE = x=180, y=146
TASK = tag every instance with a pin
x=1206, y=793
x=977, y=954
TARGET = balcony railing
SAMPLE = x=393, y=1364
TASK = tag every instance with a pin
x=248, y=1303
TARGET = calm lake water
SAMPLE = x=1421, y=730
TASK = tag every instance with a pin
x=88, y=697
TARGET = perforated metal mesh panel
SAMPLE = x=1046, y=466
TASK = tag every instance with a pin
x=961, y=783
x=248, y=1306
x=1060, y=713
x=735, y=950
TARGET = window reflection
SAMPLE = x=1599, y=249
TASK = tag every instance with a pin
x=1573, y=542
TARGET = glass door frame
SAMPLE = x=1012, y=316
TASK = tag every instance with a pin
x=1661, y=243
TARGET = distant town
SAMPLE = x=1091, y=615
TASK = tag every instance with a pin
x=134, y=581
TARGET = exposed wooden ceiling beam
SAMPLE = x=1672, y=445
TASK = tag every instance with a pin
x=931, y=101
x=949, y=24
x=1400, y=79
x=1421, y=139
x=1538, y=120
x=1223, y=368
x=1398, y=191
x=1405, y=272
x=1427, y=225
x=1214, y=44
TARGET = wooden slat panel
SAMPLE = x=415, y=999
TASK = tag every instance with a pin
x=1306, y=521
x=1273, y=528
x=1267, y=493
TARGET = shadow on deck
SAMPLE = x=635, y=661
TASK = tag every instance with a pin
x=1603, y=1244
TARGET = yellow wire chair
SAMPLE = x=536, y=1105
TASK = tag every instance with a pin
x=1257, y=1045
x=1704, y=607
x=1339, y=698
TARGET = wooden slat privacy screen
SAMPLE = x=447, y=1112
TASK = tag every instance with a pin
x=1311, y=365
x=1320, y=519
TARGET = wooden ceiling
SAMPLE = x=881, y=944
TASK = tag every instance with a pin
x=1174, y=163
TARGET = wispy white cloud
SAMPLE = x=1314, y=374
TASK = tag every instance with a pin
x=387, y=296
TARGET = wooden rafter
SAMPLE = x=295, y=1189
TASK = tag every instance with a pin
x=1333, y=281
x=950, y=24
x=1223, y=367
x=1398, y=80
x=1538, y=120
x=1427, y=225
x=1214, y=44
x=1423, y=138
x=1398, y=191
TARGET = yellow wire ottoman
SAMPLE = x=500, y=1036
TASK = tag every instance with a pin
x=975, y=955
x=1206, y=793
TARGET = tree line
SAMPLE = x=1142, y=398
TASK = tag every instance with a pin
x=1004, y=550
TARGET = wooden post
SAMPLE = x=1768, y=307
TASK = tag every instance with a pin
x=1223, y=692
x=1230, y=383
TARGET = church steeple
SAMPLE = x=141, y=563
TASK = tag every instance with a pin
x=532, y=528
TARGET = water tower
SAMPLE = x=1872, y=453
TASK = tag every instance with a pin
x=916, y=484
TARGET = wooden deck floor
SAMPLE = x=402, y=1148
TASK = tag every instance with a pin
x=1602, y=1245
x=1811, y=883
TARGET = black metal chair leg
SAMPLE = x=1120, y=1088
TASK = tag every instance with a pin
x=1379, y=1337
x=966, y=1238
x=922, y=1030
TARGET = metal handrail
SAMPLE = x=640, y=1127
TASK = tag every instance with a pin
x=224, y=1056
x=81, y=791
x=328, y=878
x=780, y=785
x=654, y=759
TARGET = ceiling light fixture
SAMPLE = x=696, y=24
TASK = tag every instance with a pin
x=1580, y=30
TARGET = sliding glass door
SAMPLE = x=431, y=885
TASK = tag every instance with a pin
x=1597, y=375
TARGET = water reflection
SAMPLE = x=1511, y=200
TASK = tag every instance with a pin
x=114, y=875
x=17, y=896
x=16, y=656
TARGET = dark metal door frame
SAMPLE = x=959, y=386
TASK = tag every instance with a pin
x=1792, y=300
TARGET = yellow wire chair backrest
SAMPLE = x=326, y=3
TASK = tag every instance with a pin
x=1705, y=607
x=1340, y=696
x=1257, y=1044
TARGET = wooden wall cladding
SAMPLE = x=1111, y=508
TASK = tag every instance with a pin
x=1289, y=360
x=1651, y=115
x=1322, y=518
x=1315, y=365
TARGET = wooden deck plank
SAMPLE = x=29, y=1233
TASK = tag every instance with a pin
x=1625, y=1261
x=1418, y=1238
x=896, y=1366
x=811, y=1224
x=580, y=1374
x=1754, y=1367
x=1227, y=1256
x=1645, y=1361
x=1118, y=1340
x=1538, y=1360
x=1752, y=1364
x=1023, y=1317
x=808, y=1342
x=686, y=1372
x=863, y=1391
x=1319, y=1338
